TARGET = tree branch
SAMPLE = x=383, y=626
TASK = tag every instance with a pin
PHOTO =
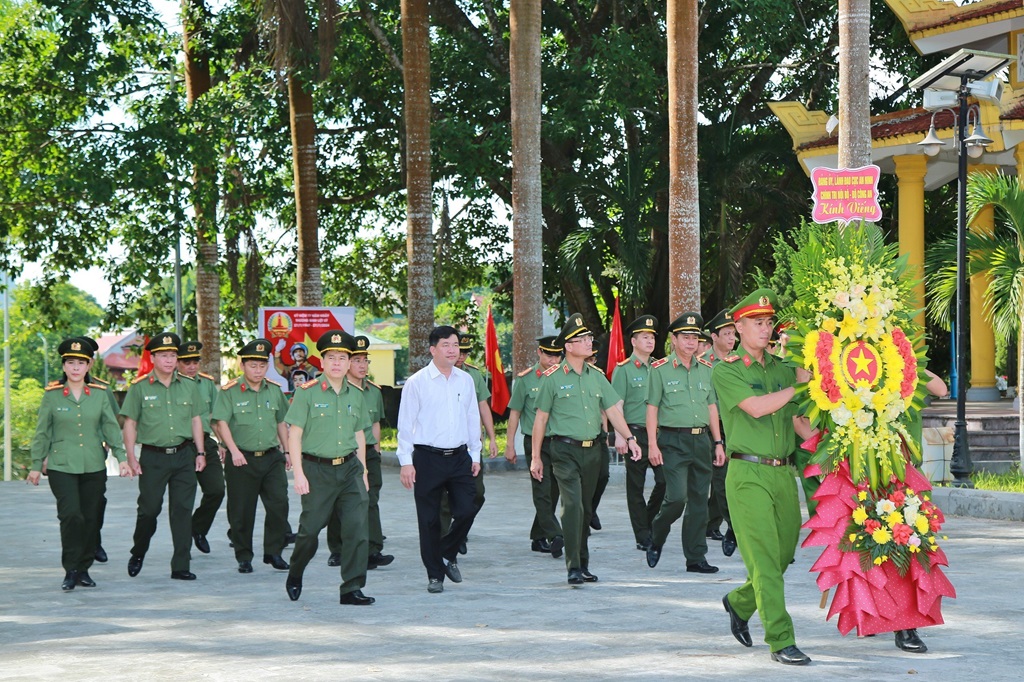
x=370, y=19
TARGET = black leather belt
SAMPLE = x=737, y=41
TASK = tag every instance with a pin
x=259, y=453
x=443, y=452
x=692, y=430
x=638, y=428
x=767, y=461
x=573, y=441
x=168, y=451
x=327, y=460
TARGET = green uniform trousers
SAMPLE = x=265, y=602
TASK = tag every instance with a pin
x=766, y=520
x=810, y=484
x=545, y=495
x=177, y=475
x=576, y=469
x=641, y=512
x=262, y=478
x=604, y=472
x=687, y=471
x=478, y=501
x=334, y=491
x=376, y=532
x=211, y=482
x=79, y=501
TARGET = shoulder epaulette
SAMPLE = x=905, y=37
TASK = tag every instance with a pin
x=182, y=376
x=53, y=385
x=704, y=362
x=270, y=381
x=525, y=372
x=624, y=362
x=551, y=370
x=471, y=366
x=97, y=380
x=207, y=376
x=310, y=383
x=731, y=358
x=99, y=386
x=140, y=378
x=377, y=386
x=358, y=388
x=230, y=384
x=658, y=363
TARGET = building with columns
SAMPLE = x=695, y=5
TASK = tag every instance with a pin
x=937, y=26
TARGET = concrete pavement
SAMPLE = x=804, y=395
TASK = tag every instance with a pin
x=513, y=617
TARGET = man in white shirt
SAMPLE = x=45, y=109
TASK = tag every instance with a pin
x=439, y=449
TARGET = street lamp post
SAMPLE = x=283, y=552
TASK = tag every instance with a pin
x=957, y=74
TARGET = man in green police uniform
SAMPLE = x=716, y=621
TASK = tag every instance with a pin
x=546, y=533
x=162, y=412
x=722, y=332
x=359, y=367
x=249, y=418
x=630, y=380
x=755, y=392
x=327, y=419
x=573, y=397
x=681, y=411
x=211, y=478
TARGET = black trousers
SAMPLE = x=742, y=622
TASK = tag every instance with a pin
x=436, y=474
x=79, y=501
x=211, y=482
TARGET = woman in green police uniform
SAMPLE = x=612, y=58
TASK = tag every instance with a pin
x=75, y=419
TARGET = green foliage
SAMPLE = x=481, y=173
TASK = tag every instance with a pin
x=1010, y=482
x=26, y=396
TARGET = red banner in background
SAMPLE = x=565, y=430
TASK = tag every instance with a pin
x=616, y=348
x=492, y=360
x=293, y=333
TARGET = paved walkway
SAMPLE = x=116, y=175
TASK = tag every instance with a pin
x=514, y=617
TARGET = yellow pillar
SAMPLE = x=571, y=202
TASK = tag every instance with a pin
x=983, y=343
x=910, y=172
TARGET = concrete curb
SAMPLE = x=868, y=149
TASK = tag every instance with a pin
x=979, y=504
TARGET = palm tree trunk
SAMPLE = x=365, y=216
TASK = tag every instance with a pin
x=684, y=206
x=308, y=284
x=854, y=91
x=204, y=194
x=527, y=256
x=419, y=203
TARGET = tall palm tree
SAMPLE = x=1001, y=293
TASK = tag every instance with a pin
x=999, y=254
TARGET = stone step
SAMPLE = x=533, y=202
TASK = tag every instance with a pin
x=977, y=424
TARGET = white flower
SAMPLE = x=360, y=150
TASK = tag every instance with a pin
x=883, y=507
x=841, y=415
x=865, y=395
x=857, y=291
x=863, y=419
x=842, y=299
x=909, y=515
x=858, y=309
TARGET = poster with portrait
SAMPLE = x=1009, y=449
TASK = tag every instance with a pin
x=293, y=333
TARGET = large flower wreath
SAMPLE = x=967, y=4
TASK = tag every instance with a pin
x=853, y=327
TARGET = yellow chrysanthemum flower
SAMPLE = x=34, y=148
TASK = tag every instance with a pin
x=852, y=537
x=882, y=536
x=921, y=524
x=894, y=518
x=862, y=495
x=860, y=515
x=878, y=561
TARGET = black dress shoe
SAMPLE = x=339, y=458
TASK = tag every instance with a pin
x=84, y=580
x=653, y=555
x=908, y=640
x=702, y=567
x=293, y=586
x=541, y=545
x=276, y=561
x=100, y=555
x=791, y=656
x=557, y=545
x=183, y=575
x=729, y=543
x=595, y=523
x=356, y=598
x=245, y=567
x=289, y=539
x=435, y=586
x=334, y=559
x=70, y=580
x=462, y=547
x=588, y=577
x=715, y=535
x=576, y=576
x=451, y=569
x=202, y=544
x=740, y=629
x=134, y=565
x=378, y=559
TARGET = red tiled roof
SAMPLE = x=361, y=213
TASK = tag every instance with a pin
x=971, y=12
x=1014, y=112
x=893, y=124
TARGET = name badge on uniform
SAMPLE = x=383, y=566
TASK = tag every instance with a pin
x=757, y=386
x=63, y=409
x=150, y=397
x=672, y=383
x=242, y=404
x=567, y=387
x=320, y=406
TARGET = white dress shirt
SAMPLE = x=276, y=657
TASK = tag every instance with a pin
x=438, y=411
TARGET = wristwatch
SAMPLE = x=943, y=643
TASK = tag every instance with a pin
x=631, y=438
x=200, y=454
x=719, y=442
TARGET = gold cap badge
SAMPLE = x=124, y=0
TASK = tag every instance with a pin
x=259, y=347
x=763, y=301
x=167, y=339
x=650, y=322
x=76, y=346
x=336, y=338
x=691, y=320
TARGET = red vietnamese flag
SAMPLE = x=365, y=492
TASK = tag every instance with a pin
x=492, y=361
x=616, y=348
x=145, y=360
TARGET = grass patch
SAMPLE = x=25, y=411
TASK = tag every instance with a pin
x=389, y=438
x=1010, y=482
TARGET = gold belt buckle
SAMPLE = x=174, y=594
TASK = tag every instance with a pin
x=259, y=453
x=696, y=430
x=587, y=443
x=338, y=460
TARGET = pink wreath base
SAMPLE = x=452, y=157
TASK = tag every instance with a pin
x=879, y=600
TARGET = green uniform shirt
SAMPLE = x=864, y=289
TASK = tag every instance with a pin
x=70, y=433
x=479, y=383
x=208, y=390
x=89, y=379
x=251, y=415
x=735, y=381
x=328, y=420
x=574, y=402
x=163, y=413
x=681, y=395
x=525, y=389
x=629, y=379
x=711, y=357
x=373, y=399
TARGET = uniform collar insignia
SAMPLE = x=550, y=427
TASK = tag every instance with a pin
x=67, y=391
x=323, y=386
x=746, y=360
x=638, y=363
